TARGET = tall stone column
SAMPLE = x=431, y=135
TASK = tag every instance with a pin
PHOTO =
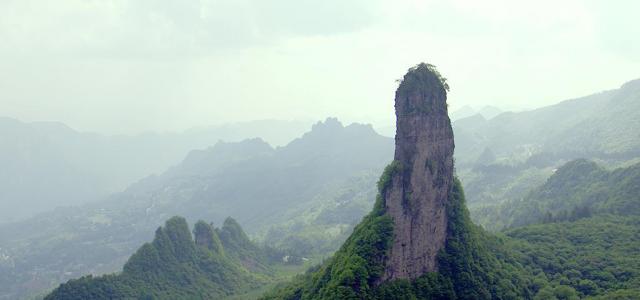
x=419, y=190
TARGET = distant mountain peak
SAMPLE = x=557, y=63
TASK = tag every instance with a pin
x=576, y=169
x=471, y=120
x=331, y=123
x=489, y=111
x=222, y=153
x=331, y=129
x=633, y=85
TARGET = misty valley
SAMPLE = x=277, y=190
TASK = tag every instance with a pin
x=319, y=150
x=537, y=204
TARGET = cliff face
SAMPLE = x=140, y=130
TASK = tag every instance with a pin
x=419, y=228
x=416, y=198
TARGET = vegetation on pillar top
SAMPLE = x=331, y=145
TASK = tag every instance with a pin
x=422, y=74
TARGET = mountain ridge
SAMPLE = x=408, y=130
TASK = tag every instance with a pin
x=177, y=265
x=275, y=179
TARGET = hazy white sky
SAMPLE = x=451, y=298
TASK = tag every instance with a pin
x=133, y=65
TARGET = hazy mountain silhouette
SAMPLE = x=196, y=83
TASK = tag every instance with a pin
x=252, y=181
x=46, y=164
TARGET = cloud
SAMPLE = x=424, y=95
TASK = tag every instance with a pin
x=617, y=27
x=102, y=64
x=169, y=28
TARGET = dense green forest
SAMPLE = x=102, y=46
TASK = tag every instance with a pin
x=597, y=256
x=217, y=263
x=579, y=232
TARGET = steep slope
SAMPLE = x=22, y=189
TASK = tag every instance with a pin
x=447, y=257
x=175, y=266
x=259, y=185
x=602, y=125
x=504, y=158
x=588, y=244
x=578, y=189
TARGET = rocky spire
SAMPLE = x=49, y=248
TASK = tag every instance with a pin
x=417, y=196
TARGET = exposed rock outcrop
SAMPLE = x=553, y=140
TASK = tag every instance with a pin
x=418, y=241
x=416, y=198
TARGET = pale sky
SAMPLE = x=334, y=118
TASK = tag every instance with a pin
x=125, y=66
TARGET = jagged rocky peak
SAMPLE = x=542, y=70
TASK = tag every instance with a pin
x=417, y=195
x=205, y=235
x=329, y=124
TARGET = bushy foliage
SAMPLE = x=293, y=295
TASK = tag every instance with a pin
x=594, y=256
x=424, y=81
x=238, y=245
x=422, y=77
x=205, y=235
x=475, y=261
x=625, y=294
x=385, y=179
x=428, y=286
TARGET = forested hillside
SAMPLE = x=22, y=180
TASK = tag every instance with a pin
x=579, y=231
x=592, y=257
x=505, y=157
x=578, y=189
x=211, y=264
x=287, y=195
